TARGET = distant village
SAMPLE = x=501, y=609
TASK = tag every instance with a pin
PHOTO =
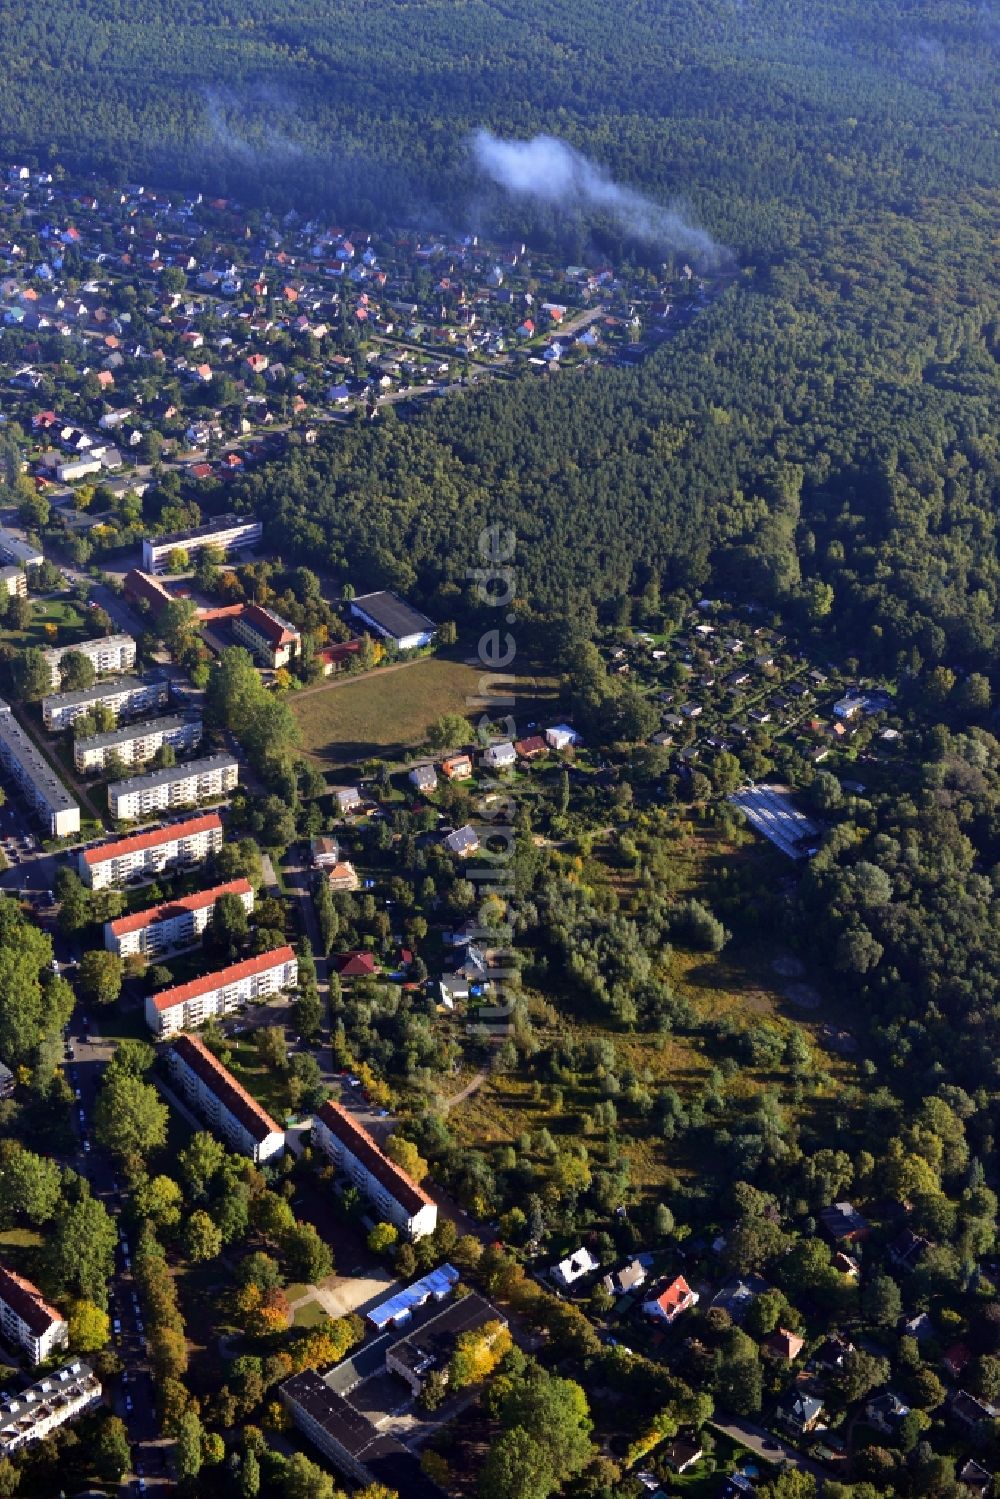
x=193, y=330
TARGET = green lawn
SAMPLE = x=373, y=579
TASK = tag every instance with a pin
x=704, y=1481
x=69, y=619
x=266, y=1086
x=311, y=1314
x=387, y=713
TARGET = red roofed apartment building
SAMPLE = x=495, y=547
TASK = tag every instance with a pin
x=222, y=1102
x=186, y=1006
x=396, y=1196
x=26, y=1319
x=172, y=925
x=269, y=637
x=170, y=847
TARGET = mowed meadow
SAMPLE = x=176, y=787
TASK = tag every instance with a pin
x=386, y=713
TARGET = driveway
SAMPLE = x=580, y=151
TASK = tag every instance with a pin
x=766, y=1445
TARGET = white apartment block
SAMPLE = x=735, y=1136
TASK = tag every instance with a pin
x=186, y=1006
x=15, y=581
x=126, y=697
x=173, y=925
x=147, y=854
x=395, y=1196
x=26, y=1319
x=109, y=653
x=137, y=743
x=30, y=1415
x=224, y=1104
x=24, y=553
x=36, y=779
x=227, y=532
x=180, y=786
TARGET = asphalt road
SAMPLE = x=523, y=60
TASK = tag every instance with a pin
x=766, y=1445
x=131, y=1396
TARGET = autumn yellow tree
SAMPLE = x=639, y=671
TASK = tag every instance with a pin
x=477, y=1353
x=406, y=1155
x=89, y=1327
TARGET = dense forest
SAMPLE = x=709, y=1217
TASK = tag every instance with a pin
x=764, y=118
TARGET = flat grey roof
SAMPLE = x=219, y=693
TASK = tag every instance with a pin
x=111, y=688
x=23, y=551
x=56, y=652
x=135, y=731
x=390, y=613
x=34, y=763
x=197, y=533
x=171, y=774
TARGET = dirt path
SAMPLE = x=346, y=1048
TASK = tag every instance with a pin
x=347, y=679
x=471, y=1087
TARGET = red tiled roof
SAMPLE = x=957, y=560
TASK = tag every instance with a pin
x=169, y=999
x=355, y=964
x=169, y=908
x=263, y=622
x=360, y=1143
x=27, y=1301
x=153, y=839
x=331, y=654
x=231, y=1094
x=675, y=1295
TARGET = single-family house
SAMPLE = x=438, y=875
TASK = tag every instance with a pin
x=626, y=1280
x=348, y=799
x=975, y=1478
x=683, y=1452
x=844, y=1223
x=457, y=768
x=531, y=748
x=969, y=1412
x=832, y=1352
x=784, y=1345
x=423, y=777
x=463, y=842
x=737, y=1296
x=325, y=851
x=672, y=1302
x=799, y=1411
x=355, y=965
x=885, y=1411
x=561, y=737
x=576, y=1265
x=500, y=756
x=342, y=876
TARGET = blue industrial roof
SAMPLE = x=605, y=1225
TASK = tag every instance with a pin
x=399, y=1308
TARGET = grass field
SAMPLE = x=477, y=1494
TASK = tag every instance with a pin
x=69, y=619
x=387, y=713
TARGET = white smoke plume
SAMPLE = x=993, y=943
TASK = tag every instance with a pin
x=553, y=173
